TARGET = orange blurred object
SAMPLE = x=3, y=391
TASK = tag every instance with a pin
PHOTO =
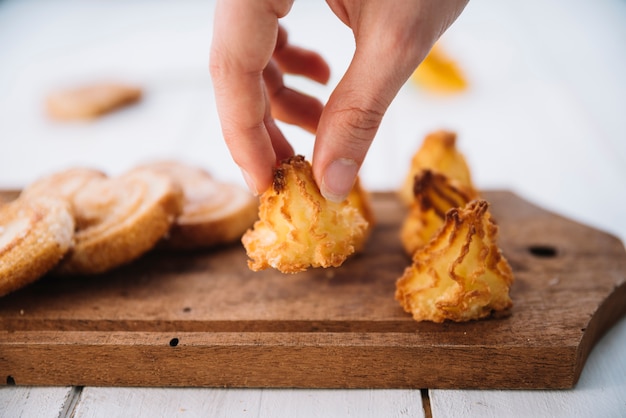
x=438, y=73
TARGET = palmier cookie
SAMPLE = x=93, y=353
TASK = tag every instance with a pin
x=66, y=184
x=214, y=212
x=34, y=235
x=117, y=219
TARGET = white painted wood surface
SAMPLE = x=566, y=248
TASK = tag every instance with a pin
x=41, y=402
x=600, y=392
x=544, y=117
x=148, y=402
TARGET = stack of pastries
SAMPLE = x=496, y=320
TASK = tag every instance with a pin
x=81, y=221
x=458, y=272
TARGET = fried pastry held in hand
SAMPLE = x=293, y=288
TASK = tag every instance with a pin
x=434, y=195
x=35, y=233
x=360, y=199
x=298, y=228
x=439, y=153
x=461, y=274
x=213, y=213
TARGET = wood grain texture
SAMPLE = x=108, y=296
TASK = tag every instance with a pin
x=204, y=319
x=600, y=392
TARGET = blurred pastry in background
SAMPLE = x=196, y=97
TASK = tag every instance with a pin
x=90, y=101
x=438, y=73
x=439, y=154
x=434, y=196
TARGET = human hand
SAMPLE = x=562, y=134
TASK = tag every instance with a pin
x=250, y=53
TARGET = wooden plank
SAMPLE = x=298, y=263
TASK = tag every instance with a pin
x=43, y=402
x=318, y=403
x=204, y=319
x=601, y=391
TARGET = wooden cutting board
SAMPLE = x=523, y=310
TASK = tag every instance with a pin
x=204, y=319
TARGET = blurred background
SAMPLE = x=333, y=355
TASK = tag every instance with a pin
x=542, y=113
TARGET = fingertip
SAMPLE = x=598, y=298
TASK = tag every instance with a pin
x=250, y=182
x=338, y=178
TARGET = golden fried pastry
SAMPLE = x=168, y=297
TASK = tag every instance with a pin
x=460, y=275
x=438, y=73
x=298, y=228
x=117, y=219
x=434, y=195
x=360, y=199
x=34, y=234
x=90, y=101
x=439, y=154
x=213, y=212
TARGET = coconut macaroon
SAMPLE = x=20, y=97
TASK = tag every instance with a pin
x=35, y=233
x=360, y=199
x=439, y=153
x=298, y=228
x=461, y=274
x=434, y=196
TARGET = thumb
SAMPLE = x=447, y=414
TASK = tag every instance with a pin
x=351, y=118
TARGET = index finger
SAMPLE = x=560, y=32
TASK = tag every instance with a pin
x=244, y=37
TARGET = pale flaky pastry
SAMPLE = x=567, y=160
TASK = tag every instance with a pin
x=298, y=228
x=440, y=154
x=213, y=213
x=35, y=233
x=65, y=183
x=434, y=196
x=90, y=101
x=461, y=274
x=117, y=218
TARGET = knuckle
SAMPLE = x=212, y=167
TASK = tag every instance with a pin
x=359, y=123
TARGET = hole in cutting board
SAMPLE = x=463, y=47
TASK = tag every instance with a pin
x=173, y=342
x=544, y=251
x=10, y=380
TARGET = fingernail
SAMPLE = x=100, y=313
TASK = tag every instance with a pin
x=338, y=179
x=250, y=182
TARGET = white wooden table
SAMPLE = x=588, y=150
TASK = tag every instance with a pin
x=544, y=117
